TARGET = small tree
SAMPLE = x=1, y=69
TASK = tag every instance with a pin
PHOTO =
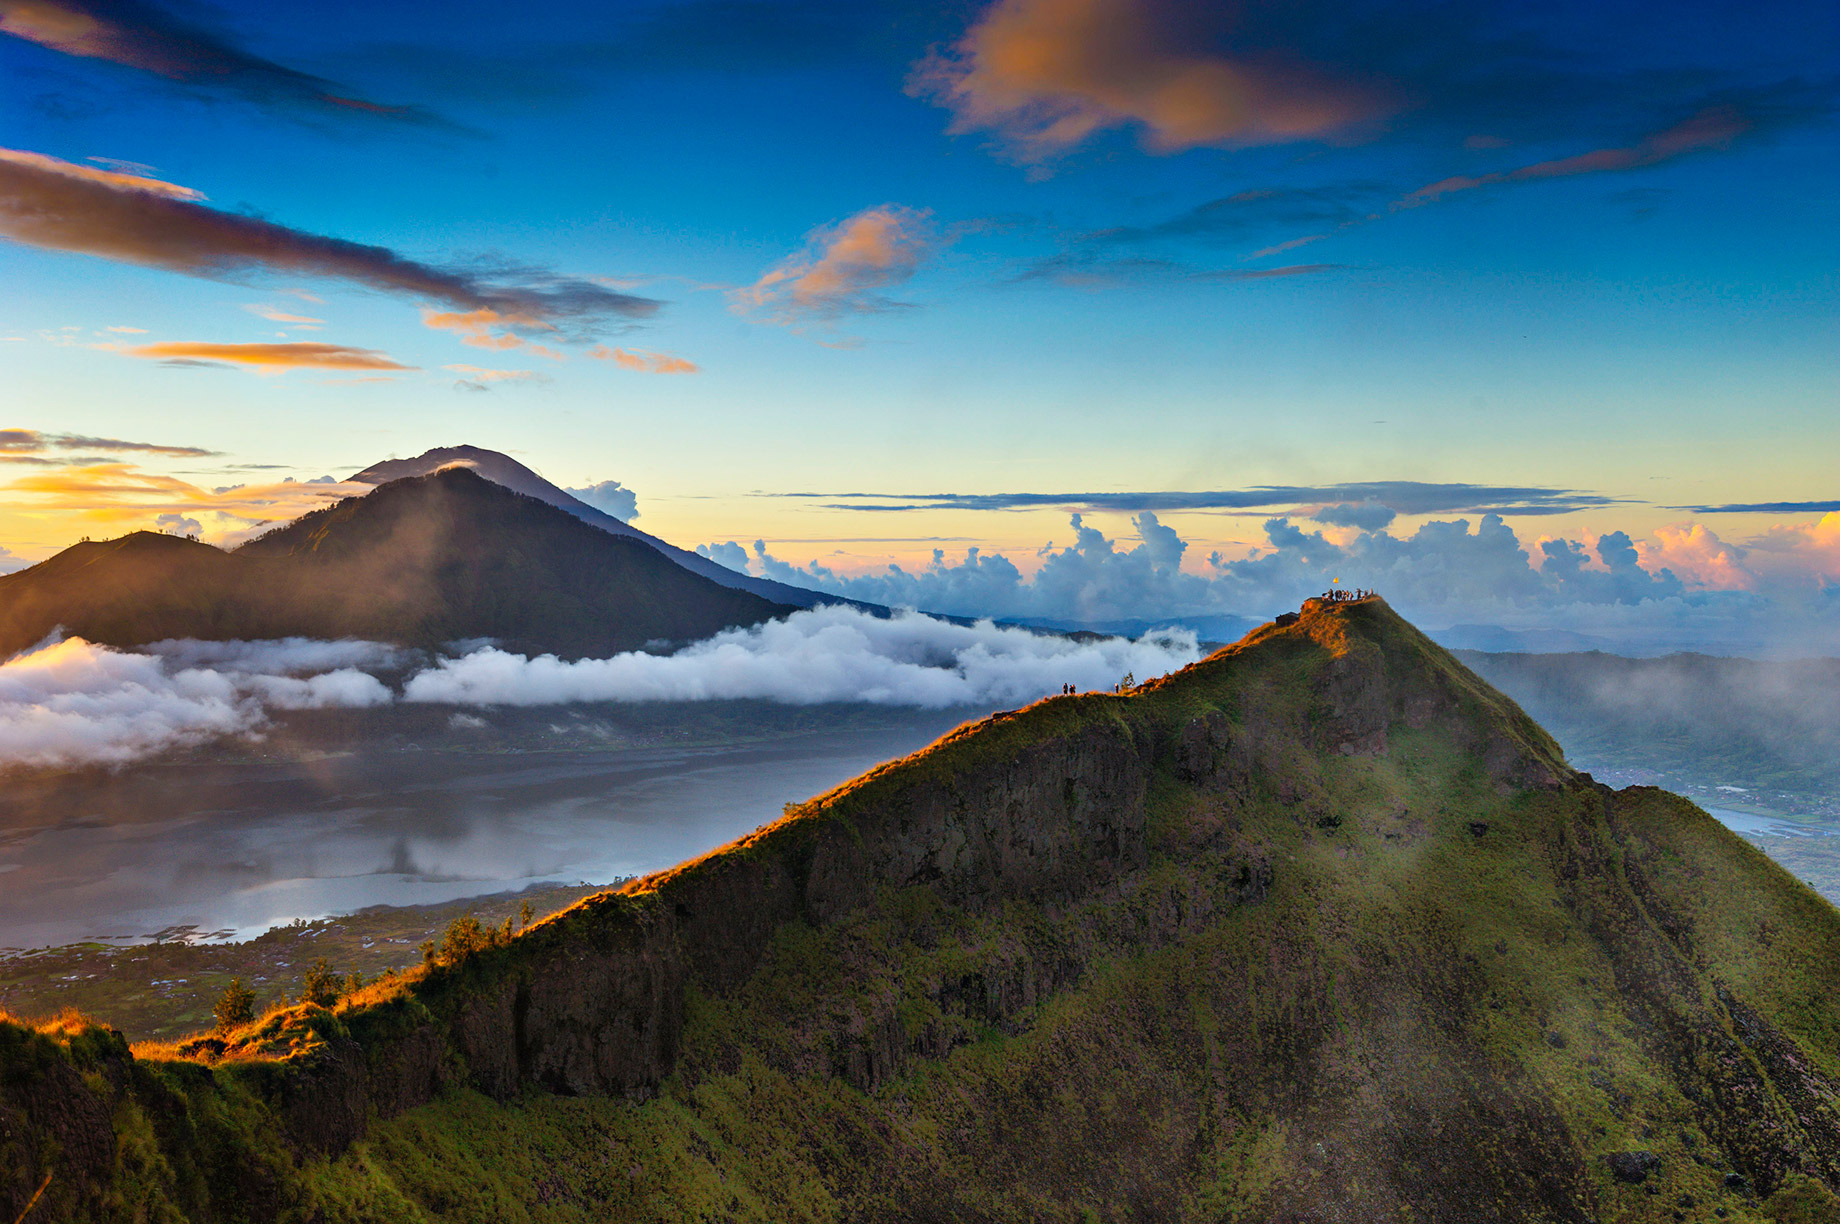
x=524, y=914
x=1127, y=684
x=321, y=985
x=237, y=1005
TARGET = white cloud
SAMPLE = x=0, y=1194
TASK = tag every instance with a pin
x=75, y=703
x=823, y=655
x=72, y=702
x=612, y=496
x=1683, y=590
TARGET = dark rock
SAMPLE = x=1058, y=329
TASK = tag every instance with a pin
x=1478, y=827
x=1632, y=1167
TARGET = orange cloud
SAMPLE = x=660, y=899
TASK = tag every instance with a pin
x=491, y=329
x=114, y=180
x=60, y=206
x=1714, y=128
x=1697, y=557
x=1800, y=550
x=1046, y=74
x=286, y=356
x=644, y=361
x=122, y=495
x=844, y=266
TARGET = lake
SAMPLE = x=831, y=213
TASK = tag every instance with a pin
x=229, y=849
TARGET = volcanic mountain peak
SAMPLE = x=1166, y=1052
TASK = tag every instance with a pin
x=504, y=470
x=1319, y=928
x=499, y=468
x=421, y=562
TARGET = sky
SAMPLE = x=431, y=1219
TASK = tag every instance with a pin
x=1164, y=308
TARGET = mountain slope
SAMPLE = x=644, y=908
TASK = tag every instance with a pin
x=1321, y=928
x=420, y=562
x=504, y=470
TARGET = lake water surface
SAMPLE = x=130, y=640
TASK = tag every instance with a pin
x=235, y=848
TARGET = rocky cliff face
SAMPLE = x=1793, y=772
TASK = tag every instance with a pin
x=1320, y=928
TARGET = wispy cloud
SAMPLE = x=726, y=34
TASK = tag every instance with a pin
x=291, y=355
x=275, y=314
x=484, y=374
x=1400, y=496
x=844, y=268
x=115, y=180
x=483, y=378
x=1045, y=75
x=1088, y=269
x=644, y=361
x=56, y=205
x=1713, y=128
x=16, y=443
x=140, y=35
x=1775, y=507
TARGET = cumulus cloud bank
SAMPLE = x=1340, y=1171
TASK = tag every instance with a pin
x=73, y=702
x=1683, y=588
x=823, y=655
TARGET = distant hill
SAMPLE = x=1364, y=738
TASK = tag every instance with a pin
x=1759, y=724
x=420, y=562
x=502, y=469
x=1321, y=928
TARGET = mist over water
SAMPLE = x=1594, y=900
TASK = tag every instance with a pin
x=73, y=703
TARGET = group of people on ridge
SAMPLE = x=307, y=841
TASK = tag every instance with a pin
x=1344, y=595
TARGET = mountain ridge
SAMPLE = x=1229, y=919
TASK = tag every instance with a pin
x=1319, y=928
x=502, y=469
x=419, y=562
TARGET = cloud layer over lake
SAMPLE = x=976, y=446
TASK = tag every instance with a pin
x=73, y=702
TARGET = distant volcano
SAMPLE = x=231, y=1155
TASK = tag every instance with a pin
x=504, y=470
x=424, y=561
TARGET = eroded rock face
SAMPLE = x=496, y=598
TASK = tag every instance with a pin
x=1054, y=820
x=602, y=1011
x=54, y=1126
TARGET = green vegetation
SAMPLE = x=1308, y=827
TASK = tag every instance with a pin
x=1321, y=928
x=162, y=991
x=235, y=1007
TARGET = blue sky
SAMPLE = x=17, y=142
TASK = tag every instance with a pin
x=1061, y=246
